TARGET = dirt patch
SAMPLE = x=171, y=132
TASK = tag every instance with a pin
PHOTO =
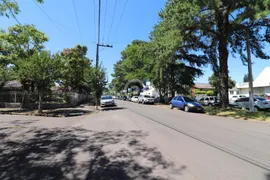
x=66, y=112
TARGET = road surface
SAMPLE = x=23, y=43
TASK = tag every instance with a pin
x=134, y=141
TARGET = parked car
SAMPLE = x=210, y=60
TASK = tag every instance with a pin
x=107, y=101
x=186, y=103
x=209, y=101
x=145, y=99
x=259, y=103
x=134, y=99
x=235, y=97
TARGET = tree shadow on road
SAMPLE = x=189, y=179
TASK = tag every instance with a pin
x=112, y=108
x=267, y=176
x=77, y=153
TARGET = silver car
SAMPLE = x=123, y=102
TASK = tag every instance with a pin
x=259, y=103
x=209, y=101
x=107, y=101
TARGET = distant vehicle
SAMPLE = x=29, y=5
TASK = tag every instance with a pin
x=209, y=101
x=114, y=97
x=259, y=103
x=145, y=99
x=235, y=97
x=107, y=101
x=134, y=99
x=186, y=103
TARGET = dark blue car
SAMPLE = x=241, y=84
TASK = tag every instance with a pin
x=186, y=103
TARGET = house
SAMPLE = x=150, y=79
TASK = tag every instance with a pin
x=202, y=88
x=261, y=85
x=12, y=86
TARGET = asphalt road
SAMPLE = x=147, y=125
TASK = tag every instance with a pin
x=210, y=147
x=134, y=141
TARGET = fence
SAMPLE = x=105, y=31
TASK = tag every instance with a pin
x=50, y=99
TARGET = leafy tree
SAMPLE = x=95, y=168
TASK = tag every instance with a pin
x=214, y=81
x=8, y=5
x=216, y=26
x=19, y=43
x=75, y=65
x=22, y=41
x=134, y=64
x=97, y=80
x=176, y=66
x=42, y=69
x=245, y=79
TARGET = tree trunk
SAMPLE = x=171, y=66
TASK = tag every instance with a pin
x=250, y=79
x=223, y=73
x=96, y=102
x=22, y=103
x=40, y=102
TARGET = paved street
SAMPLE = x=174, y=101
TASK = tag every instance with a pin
x=134, y=141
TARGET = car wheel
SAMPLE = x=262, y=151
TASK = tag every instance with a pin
x=171, y=106
x=138, y=102
x=186, y=108
x=142, y=101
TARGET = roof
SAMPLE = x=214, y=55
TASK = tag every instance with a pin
x=13, y=84
x=261, y=81
x=203, y=86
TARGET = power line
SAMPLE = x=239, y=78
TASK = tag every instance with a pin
x=53, y=21
x=50, y=19
x=76, y=14
x=121, y=17
x=105, y=16
x=10, y=10
x=115, y=4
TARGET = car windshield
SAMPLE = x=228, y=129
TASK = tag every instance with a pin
x=106, y=97
x=187, y=99
x=147, y=96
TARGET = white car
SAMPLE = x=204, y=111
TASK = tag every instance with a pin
x=235, y=97
x=134, y=99
x=145, y=99
x=107, y=101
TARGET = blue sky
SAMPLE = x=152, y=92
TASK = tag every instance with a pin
x=137, y=22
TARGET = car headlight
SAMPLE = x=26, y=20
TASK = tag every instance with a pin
x=190, y=104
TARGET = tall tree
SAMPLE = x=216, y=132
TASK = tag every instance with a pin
x=42, y=69
x=214, y=24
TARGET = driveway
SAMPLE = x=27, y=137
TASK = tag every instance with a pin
x=134, y=141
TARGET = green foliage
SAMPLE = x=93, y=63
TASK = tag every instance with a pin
x=75, y=68
x=8, y=6
x=97, y=81
x=246, y=79
x=216, y=27
x=42, y=70
x=214, y=81
x=22, y=41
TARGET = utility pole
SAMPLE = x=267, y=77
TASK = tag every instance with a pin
x=251, y=99
x=98, y=43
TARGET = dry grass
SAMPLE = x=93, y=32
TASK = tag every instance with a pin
x=239, y=114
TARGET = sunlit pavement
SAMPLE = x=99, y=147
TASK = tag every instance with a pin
x=134, y=141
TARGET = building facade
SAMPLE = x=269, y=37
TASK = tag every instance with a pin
x=261, y=85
